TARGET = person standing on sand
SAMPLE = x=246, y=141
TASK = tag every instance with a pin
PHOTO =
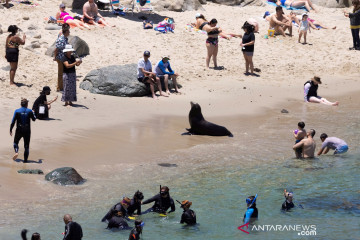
x=92, y=15
x=22, y=118
x=69, y=76
x=247, y=47
x=310, y=92
x=334, y=143
x=73, y=230
x=13, y=41
x=354, y=24
x=61, y=42
x=307, y=145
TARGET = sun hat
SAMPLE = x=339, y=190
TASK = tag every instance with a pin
x=316, y=79
x=197, y=15
x=68, y=48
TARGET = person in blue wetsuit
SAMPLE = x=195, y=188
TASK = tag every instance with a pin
x=161, y=71
x=251, y=213
x=22, y=118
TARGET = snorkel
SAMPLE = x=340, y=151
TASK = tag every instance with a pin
x=251, y=202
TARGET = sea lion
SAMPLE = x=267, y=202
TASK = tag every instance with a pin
x=199, y=126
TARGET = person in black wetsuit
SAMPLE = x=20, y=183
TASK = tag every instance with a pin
x=163, y=202
x=188, y=216
x=135, y=204
x=34, y=236
x=42, y=102
x=22, y=118
x=310, y=92
x=73, y=230
x=288, y=204
x=135, y=233
x=120, y=208
x=117, y=221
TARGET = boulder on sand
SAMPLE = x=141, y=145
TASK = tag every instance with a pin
x=64, y=176
x=81, y=47
x=177, y=5
x=30, y=171
x=116, y=80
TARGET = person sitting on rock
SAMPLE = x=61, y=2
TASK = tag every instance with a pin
x=161, y=71
x=146, y=76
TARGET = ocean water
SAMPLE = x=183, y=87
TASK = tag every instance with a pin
x=217, y=174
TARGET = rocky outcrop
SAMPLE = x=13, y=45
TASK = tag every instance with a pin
x=240, y=2
x=80, y=46
x=74, y=4
x=116, y=80
x=333, y=4
x=30, y=171
x=177, y=5
x=64, y=176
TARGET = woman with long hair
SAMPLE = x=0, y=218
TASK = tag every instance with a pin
x=212, y=43
x=247, y=45
x=13, y=41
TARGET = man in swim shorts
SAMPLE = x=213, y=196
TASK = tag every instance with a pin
x=334, y=143
x=308, y=145
x=92, y=15
x=22, y=118
x=280, y=22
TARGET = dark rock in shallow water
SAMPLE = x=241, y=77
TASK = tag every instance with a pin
x=116, y=80
x=30, y=171
x=284, y=111
x=65, y=176
x=167, y=164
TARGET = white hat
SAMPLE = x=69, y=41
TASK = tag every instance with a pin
x=68, y=48
x=197, y=15
x=304, y=14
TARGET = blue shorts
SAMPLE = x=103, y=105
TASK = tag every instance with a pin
x=342, y=149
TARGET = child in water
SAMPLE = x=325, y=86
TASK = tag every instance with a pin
x=288, y=204
x=299, y=135
x=304, y=27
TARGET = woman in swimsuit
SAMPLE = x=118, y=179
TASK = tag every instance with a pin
x=212, y=43
x=12, y=50
x=202, y=24
x=296, y=4
x=62, y=15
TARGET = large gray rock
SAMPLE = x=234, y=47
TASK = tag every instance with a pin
x=177, y=5
x=64, y=176
x=333, y=3
x=81, y=47
x=240, y=2
x=74, y=4
x=116, y=80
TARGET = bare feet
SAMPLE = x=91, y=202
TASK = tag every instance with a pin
x=12, y=83
x=15, y=156
x=336, y=103
x=168, y=92
x=164, y=95
x=155, y=97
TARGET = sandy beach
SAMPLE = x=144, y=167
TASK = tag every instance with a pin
x=144, y=129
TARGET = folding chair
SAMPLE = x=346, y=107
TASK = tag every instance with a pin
x=146, y=8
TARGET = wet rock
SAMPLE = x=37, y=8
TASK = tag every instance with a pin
x=81, y=47
x=116, y=80
x=74, y=4
x=284, y=111
x=65, y=176
x=32, y=27
x=1, y=31
x=167, y=164
x=30, y=171
x=240, y=2
x=26, y=18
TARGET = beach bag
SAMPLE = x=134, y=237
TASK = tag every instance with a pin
x=167, y=25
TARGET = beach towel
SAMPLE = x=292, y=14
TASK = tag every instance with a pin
x=287, y=8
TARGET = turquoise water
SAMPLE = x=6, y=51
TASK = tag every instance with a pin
x=217, y=176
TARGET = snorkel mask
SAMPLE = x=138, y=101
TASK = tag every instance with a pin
x=251, y=202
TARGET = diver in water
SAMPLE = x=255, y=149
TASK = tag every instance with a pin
x=135, y=204
x=135, y=233
x=288, y=204
x=34, y=236
x=163, y=202
x=251, y=213
x=119, y=207
x=188, y=216
x=117, y=221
